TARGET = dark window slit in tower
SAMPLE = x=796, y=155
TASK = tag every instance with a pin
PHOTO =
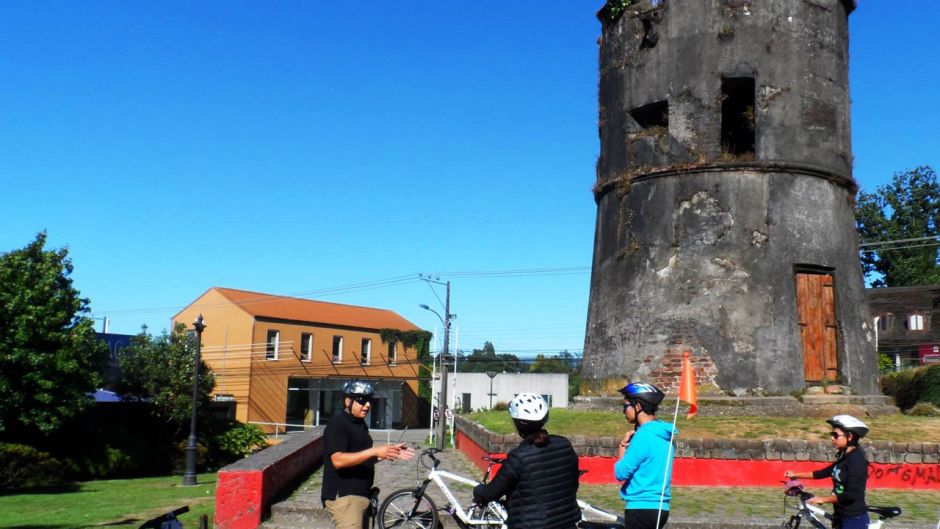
x=737, y=116
x=650, y=35
x=652, y=116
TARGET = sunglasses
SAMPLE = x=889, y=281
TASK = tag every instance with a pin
x=363, y=400
x=627, y=405
x=836, y=435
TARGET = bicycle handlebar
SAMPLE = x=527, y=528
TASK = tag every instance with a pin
x=429, y=453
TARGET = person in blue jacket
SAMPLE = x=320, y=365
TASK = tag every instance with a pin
x=645, y=459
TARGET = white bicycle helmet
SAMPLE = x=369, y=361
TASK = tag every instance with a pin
x=847, y=423
x=529, y=412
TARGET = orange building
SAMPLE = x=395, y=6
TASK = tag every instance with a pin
x=284, y=360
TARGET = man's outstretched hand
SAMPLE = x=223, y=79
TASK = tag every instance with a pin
x=395, y=451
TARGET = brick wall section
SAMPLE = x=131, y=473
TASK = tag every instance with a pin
x=669, y=372
x=740, y=449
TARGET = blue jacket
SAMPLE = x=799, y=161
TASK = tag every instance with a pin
x=644, y=465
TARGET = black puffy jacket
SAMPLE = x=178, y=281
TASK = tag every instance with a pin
x=541, y=484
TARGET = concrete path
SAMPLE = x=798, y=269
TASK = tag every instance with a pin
x=303, y=510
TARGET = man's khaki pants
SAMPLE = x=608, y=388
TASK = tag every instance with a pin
x=349, y=512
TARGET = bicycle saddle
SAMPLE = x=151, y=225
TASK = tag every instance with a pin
x=885, y=512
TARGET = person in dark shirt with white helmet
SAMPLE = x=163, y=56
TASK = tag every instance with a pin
x=539, y=477
x=849, y=474
x=349, y=459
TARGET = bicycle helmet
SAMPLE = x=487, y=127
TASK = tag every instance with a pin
x=849, y=424
x=647, y=394
x=358, y=388
x=529, y=412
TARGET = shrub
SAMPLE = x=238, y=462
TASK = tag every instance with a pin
x=23, y=466
x=924, y=409
x=931, y=386
x=242, y=440
x=911, y=386
x=501, y=406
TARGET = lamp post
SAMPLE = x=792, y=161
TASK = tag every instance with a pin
x=189, y=477
x=492, y=375
x=445, y=320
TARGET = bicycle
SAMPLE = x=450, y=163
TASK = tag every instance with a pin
x=414, y=508
x=815, y=515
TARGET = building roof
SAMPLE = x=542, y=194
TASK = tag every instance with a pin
x=903, y=299
x=307, y=310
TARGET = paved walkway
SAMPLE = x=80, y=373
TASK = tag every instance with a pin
x=394, y=475
x=302, y=509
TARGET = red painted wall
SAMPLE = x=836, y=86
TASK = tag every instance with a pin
x=743, y=473
x=243, y=494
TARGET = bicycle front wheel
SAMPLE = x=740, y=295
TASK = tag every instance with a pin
x=404, y=510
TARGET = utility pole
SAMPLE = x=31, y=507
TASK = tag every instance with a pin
x=442, y=423
x=445, y=320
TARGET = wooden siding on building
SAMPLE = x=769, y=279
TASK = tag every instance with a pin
x=893, y=307
x=234, y=346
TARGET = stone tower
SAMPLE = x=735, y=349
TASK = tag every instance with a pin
x=724, y=199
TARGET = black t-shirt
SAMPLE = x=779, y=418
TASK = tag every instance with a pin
x=346, y=434
x=849, y=478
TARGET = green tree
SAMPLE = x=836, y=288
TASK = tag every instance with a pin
x=906, y=208
x=486, y=359
x=160, y=371
x=564, y=362
x=50, y=360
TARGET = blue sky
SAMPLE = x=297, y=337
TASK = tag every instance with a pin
x=293, y=147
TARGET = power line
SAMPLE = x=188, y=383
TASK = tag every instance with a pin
x=878, y=243
x=889, y=248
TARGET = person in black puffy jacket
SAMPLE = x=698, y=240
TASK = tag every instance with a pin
x=539, y=477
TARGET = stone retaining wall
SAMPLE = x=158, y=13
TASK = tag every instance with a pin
x=766, y=450
x=777, y=406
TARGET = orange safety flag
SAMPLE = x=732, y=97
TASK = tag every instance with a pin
x=687, y=385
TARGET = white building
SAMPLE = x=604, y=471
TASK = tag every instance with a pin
x=472, y=391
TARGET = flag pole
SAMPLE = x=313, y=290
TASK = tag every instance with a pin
x=662, y=493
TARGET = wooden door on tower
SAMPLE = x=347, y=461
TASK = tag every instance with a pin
x=815, y=305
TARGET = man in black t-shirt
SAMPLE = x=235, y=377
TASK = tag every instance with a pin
x=349, y=459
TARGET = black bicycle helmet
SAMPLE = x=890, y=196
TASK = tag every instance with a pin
x=358, y=388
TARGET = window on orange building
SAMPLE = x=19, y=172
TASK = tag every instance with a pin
x=366, y=357
x=306, y=346
x=337, y=349
x=274, y=344
x=392, y=350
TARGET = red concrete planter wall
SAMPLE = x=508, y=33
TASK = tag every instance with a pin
x=733, y=463
x=245, y=488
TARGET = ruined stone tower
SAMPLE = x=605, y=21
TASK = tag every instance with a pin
x=724, y=199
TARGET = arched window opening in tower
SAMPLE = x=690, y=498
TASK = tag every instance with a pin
x=737, y=117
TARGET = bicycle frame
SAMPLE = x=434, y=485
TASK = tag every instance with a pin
x=815, y=515
x=438, y=477
x=587, y=508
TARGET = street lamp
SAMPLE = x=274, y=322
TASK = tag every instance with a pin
x=445, y=321
x=189, y=477
x=492, y=375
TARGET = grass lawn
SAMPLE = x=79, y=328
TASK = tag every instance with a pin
x=897, y=428
x=763, y=502
x=111, y=503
